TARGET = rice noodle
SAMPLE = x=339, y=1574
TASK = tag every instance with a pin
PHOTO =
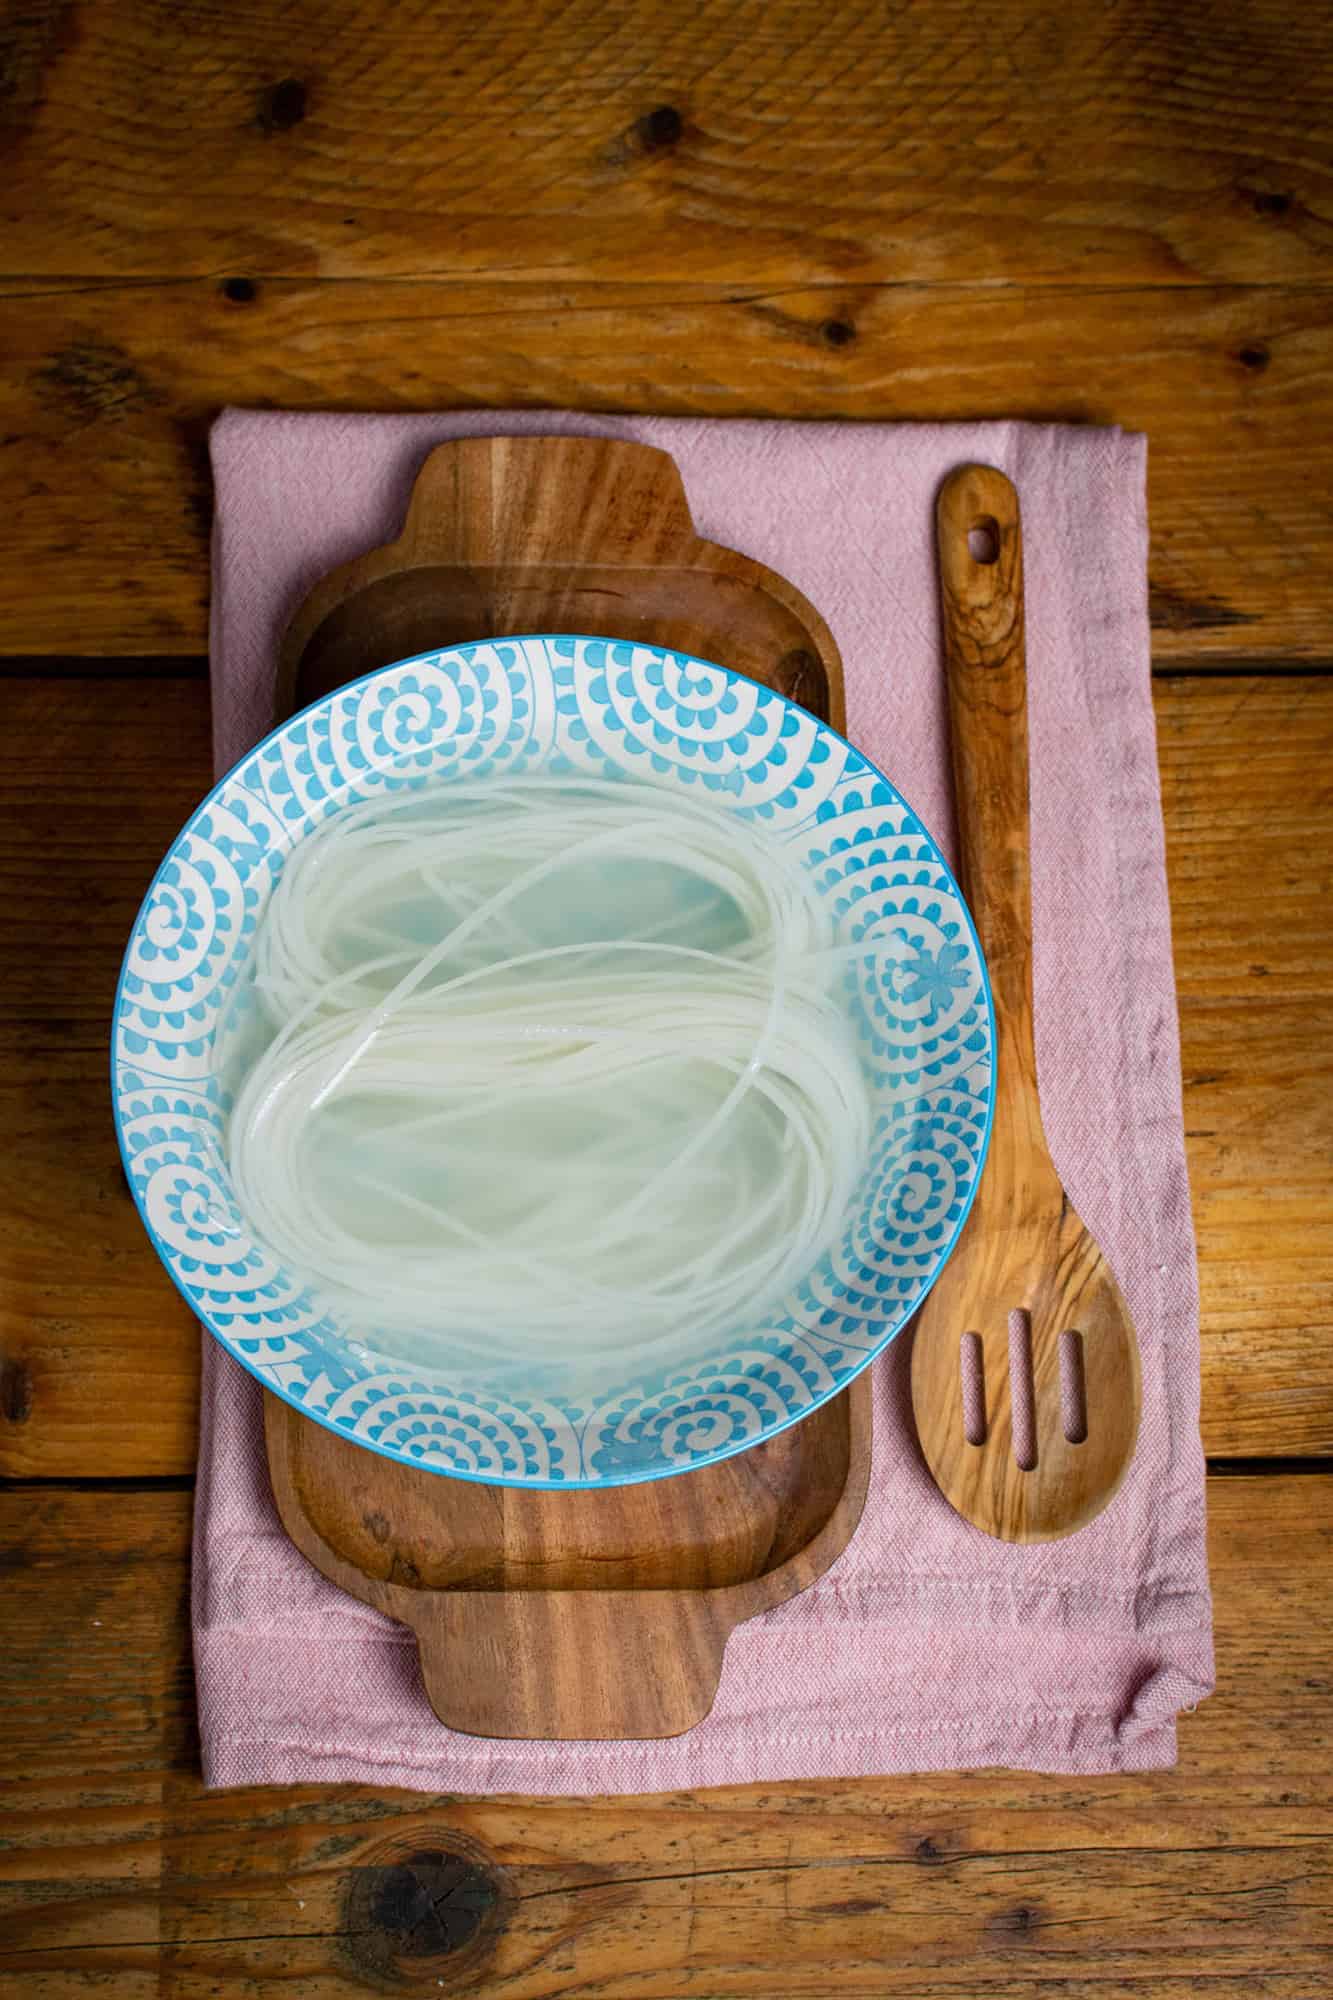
x=553, y=1067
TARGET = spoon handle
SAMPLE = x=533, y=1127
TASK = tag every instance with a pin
x=980, y=546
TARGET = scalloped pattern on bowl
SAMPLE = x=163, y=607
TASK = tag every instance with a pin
x=604, y=708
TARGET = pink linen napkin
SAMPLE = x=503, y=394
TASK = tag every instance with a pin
x=927, y=1646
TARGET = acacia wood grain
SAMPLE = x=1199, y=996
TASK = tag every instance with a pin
x=783, y=142
x=1023, y=1248
x=99, y=1356
x=556, y=534
x=599, y=1614
x=106, y=392
x=588, y=1615
x=119, y=1874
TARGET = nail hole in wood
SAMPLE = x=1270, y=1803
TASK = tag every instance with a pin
x=972, y=1372
x=660, y=127
x=282, y=105
x=983, y=540
x=1073, y=1392
x=1022, y=1400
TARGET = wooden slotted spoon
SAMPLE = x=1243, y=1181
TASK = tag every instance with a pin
x=1026, y=1278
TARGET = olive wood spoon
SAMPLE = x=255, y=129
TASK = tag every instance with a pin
x=1024, y=1350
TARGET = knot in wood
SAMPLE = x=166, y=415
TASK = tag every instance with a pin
x=425, y=1908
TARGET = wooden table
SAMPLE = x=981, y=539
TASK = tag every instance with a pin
x=932, y=209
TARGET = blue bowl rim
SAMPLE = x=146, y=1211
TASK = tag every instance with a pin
x=489, y=1479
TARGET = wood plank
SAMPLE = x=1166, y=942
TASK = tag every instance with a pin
x=1247, y=795
x=117, y=1871
x=97, y=777
x=1258, y=1091
x=1248, y=804
x=106, y=392
x=562, y=139
x=100, y=1355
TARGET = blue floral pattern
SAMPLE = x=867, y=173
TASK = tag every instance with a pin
x=934, y=977
x=603, y=707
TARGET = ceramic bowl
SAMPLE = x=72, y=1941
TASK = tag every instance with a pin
x=601, y=707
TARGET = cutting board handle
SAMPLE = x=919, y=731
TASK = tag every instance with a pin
x=562, y=1665
x=556, y=534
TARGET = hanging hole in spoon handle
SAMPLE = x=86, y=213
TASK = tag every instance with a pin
x=983, y=540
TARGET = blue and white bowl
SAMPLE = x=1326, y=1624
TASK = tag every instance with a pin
x=604, y=708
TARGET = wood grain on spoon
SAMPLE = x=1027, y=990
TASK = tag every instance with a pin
x=1023, y=1253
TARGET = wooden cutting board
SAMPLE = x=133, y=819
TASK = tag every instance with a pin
x=581, y=1614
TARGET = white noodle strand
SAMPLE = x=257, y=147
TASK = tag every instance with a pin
x=555, y=1067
